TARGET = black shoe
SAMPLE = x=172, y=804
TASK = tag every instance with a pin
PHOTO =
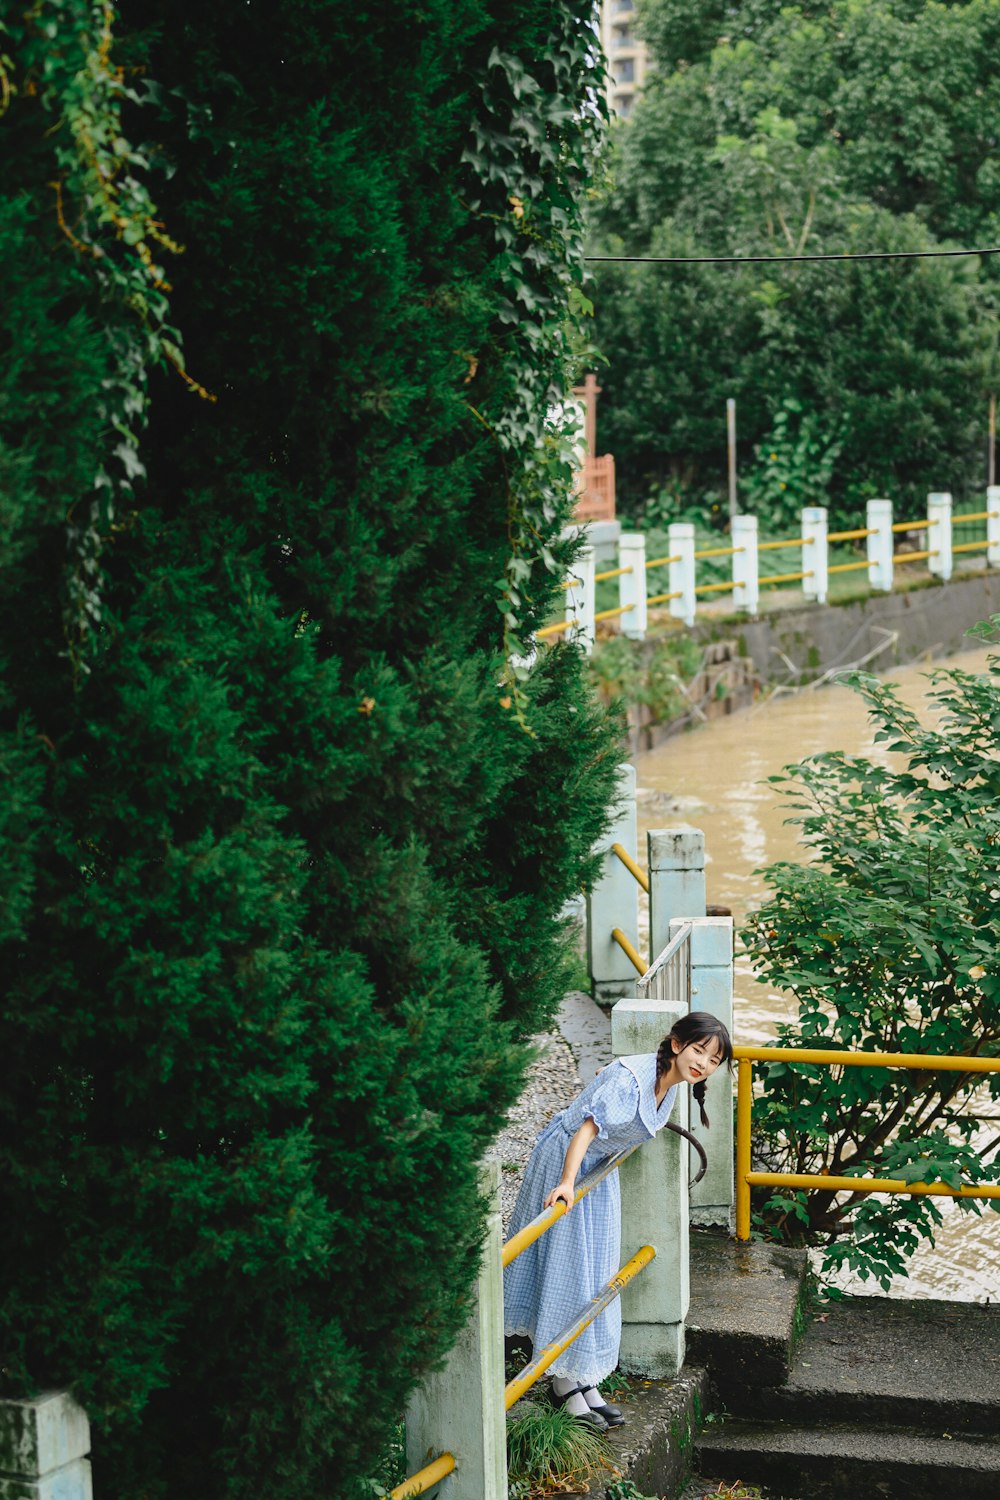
x=591, y=1418
x=613, y=1415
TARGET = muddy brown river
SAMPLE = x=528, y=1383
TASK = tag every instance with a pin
x=714, y=777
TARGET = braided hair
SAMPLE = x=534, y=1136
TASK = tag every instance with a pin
x=698, y=1026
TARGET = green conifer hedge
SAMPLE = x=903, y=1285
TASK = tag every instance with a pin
x=286, y=836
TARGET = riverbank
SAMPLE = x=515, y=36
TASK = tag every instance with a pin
x=678, y=678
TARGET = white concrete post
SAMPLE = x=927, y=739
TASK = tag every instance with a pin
x=632, y=585
x=614, y=902
x=746, y=569
x=682, y=571
x=676, y=864
x=44, y=1444
x=460, y=1409
x=993, y=525
x=581, y=599
x=939, y=534
x=879, y=519
x=712, y=990
x=815, y=552
x=654, y=1184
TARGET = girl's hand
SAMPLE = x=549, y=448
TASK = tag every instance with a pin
x=563, y=1191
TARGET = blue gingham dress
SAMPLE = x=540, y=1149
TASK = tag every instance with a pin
x=551, y=1282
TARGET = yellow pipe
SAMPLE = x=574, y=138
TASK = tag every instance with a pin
x=970, y=546
x=545, y=1220
x=905, y=557
x=868, y=1185
x=851, y=536
x=658, y=562
x=910, y=525
x=719, y=551
x=631, y=866
x=612, y=573
x=662, y=598
x=640, y=965
x=784, y=578
x=713, y=588
x=947, y=1064
x=572, y=583
x=552, y=629
x=609, y=614
x=978, y=515
x=547, y=1356
x=795, y=541
x=847, y=567
x=425, y=1478
x=744, y=1104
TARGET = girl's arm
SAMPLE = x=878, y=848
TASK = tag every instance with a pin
x=575, y=1153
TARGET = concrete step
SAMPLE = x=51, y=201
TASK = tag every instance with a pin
x=748, y=1309
x=840, y=1460
x=874, y=1360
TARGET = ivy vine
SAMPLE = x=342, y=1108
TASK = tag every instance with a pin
x=532, y=158
x=58, y=56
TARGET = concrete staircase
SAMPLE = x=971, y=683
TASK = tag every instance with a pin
x=867, y=1398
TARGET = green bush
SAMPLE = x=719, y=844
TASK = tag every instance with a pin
x=284, y=869
x=888, y=941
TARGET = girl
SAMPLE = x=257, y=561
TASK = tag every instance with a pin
x=551, y=1282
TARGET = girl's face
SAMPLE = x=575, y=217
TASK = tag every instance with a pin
x=698, y=1060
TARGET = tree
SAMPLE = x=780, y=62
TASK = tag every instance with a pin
x=888, y=941
x=757, y=136
x=289, y=834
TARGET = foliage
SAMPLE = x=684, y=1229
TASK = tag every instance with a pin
x=764, y=131
x=653, y=673
x=793, y=467
x=888, y=940
x=548, y=1449
x=284, y=874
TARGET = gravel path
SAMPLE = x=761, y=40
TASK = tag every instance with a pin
x=553, y=1080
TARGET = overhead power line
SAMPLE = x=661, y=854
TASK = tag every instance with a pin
x=781, y=260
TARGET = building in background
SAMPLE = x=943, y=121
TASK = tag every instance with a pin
x=628, y=59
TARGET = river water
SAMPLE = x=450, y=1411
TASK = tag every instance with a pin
x=714, y=777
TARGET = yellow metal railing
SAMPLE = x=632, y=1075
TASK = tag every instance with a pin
x=425, y=1478
x=767, y=582
x=659, y=562
x=663, y=598
x=622, y=853
x=556, y=629
x=908, y=557
x=793, y=541
x=852, y=536
x=746, y=1178
x=547, y=1356
x=638, y=962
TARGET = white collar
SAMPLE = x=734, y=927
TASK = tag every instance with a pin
x=643, y=1069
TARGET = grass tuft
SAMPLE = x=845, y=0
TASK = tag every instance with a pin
x=548, y=1450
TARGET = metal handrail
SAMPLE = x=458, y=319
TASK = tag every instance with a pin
x=852, y=536
x=551, y=1352
x=425, y=1478
x=795, y=541
x=745, y=1177
x=636, y=959
x=520, y=1241
x=630, y=864
x=766, y=582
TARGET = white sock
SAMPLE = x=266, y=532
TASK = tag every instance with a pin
x=593, y=1397
x=575, y=1404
